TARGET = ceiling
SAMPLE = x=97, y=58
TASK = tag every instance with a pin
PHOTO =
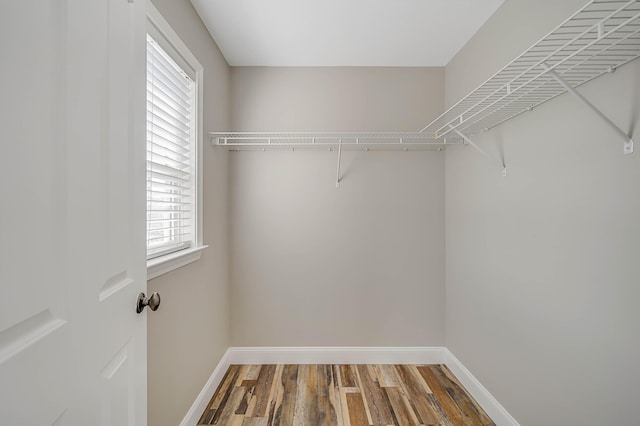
x=342, y=32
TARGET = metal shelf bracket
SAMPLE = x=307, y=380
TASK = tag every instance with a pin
x=338, y=168
x=468, y=141
x=628, y=142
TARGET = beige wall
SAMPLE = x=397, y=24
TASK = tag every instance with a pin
x=313, y=265
x=542, y=270
x=188, y=335
x=515, y=26
x=335, y=99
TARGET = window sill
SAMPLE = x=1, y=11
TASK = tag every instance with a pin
x=163, y=264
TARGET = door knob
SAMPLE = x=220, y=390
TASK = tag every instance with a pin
x=152, y=302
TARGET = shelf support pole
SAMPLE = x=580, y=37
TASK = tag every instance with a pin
x=338, y=169
x=628, y=142
x=480, y=150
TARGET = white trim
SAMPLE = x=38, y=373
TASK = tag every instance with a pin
x=494, y=409
x=349, y=355
x=170, y=41
x=158, y=21
x=199, y=166
x=205, y=395
x=337, y=355
x=163, y=264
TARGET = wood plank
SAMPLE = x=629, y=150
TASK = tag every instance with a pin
x=284, y=415
x=348, y=376
x=275, y=396
x=417, y=396
x=326, y=409
x=253, y=372
x=207, y=416
x=357, y=414
x=254, y=421
x=470, y=403
x=403, y=414
x=409, y=407
x=345, y=407
x=437, y=408
x=227, y=410
x=224, y=387
x=375, y=400
x=364, y=398
x=242, y=372
x=244, y=403
x=337, y=380
x=261, y=392
x=276, y=401
x=387, y=375
x=469, y=411
x=235, y=420
x=334, y=397
x=220, y=398
x=442, y=396
x=306, y=409
x=418, y=376
x=251, y=408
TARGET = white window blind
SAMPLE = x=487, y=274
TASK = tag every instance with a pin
x=170, y=154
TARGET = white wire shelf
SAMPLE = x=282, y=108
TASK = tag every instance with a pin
x=597, y=39
x=600, y=37
x=408, y=141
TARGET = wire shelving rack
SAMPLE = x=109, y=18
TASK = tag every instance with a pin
x=597, y=39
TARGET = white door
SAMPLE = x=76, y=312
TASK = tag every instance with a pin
x=72, y=242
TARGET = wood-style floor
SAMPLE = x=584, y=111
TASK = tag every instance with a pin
x=345, y=395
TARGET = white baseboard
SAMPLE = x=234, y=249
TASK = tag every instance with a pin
x=205, y=395
x=346, y=355
x=338, y=355
x=491, y=406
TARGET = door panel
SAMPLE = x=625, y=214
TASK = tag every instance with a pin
x=72, y=256
x=35, y=336
x=117, y=391
x=33, y=377
x=32, y=216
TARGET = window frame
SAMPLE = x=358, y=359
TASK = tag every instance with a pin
x=166, y=37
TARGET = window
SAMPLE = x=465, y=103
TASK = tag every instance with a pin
x=174, y=139
x=170, y=154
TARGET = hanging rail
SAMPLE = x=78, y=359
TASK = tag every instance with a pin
x=332, y=140
x=600, y=37
x=242, y=141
